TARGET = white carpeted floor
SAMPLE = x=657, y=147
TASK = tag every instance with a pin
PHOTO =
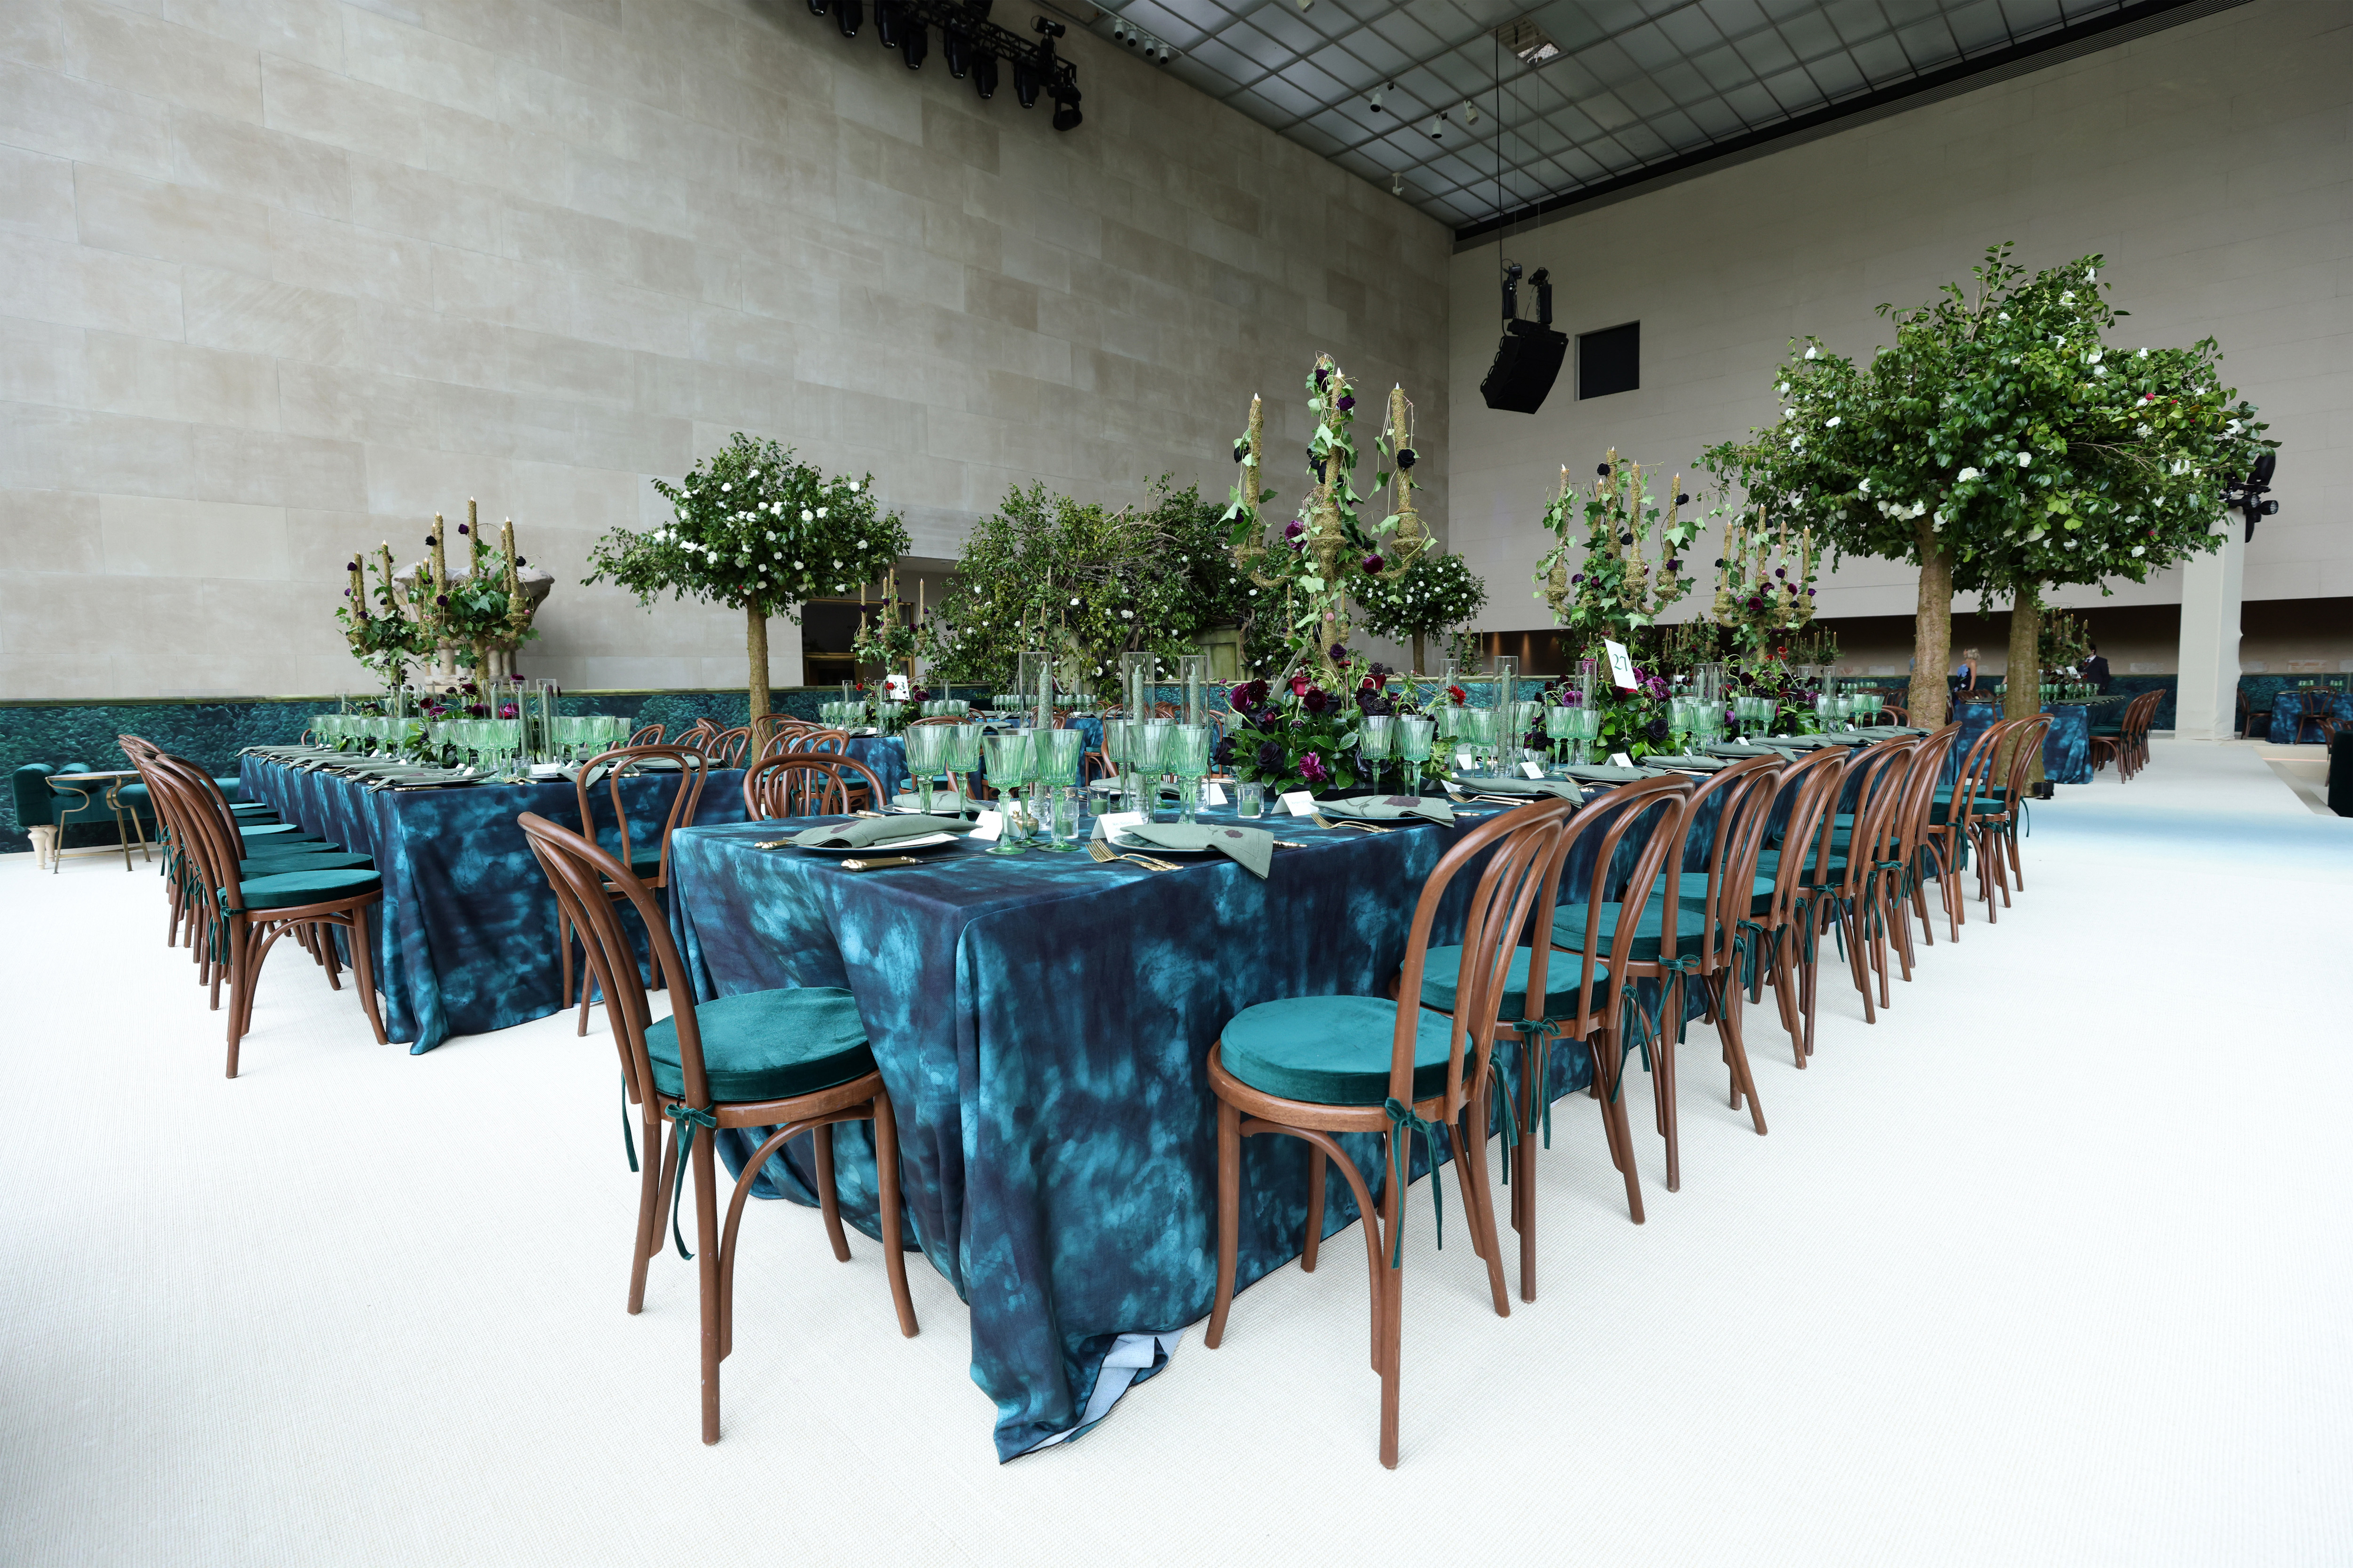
x=2048, y=1266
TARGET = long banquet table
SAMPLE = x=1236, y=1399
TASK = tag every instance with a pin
x=465, y=942
x=1042, y=1023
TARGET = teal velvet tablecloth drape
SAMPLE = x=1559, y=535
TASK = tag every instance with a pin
x=465, y=942
x=1042, y=1023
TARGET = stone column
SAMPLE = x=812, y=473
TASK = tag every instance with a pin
x=2211, y=588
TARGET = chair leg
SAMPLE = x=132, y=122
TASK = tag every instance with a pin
x=1735, y=1051
x=653, y=1168
x=829, y=1200
x=1318, y=1171
x=238, y=940
x=1390, y=1284
x=1470, y=1152
x=1610, y=1071
x=1230, y=1181
x=886, y=1186
x=707, y=1259
x=363, y=973
x=1662, y=1087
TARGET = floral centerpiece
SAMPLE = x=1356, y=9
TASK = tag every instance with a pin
x=1301, y=735
x=384, y=638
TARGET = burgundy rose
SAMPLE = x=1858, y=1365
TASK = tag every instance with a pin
x=1311, y=768
x=1317, y=699
x=1372, y=563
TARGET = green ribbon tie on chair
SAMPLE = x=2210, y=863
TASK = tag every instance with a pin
x=1403, y=1124
x=1510, y=1117
x=1749, y=961
x=1678, y=979
x=687, y=1119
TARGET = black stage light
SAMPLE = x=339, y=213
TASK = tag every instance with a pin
x=847, y=14
x=2247, y=495
x=1025, y=83
x=1066, y=107
x=816, y=7
x=983, y=76
x=889, y=23
x=916, y=44
x=955, y=47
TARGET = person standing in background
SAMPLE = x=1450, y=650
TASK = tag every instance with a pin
x=2095, y=669
x=1966, y=671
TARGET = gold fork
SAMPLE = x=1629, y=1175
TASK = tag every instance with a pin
x=1102, y=852
x=1319, y=820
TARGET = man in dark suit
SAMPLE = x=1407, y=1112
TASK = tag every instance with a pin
x=2095, y=669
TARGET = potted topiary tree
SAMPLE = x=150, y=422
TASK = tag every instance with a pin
x=755, y=529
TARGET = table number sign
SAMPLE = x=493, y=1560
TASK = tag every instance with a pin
x=1622, y=665
x=1115, y=822
x=1300, y=803
x=1531, y=770
x=990, y=827
x=1213, y=794
x=1620, y=760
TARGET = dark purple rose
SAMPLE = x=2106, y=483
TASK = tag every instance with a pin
x=1346, y=401
x=1258, y=690
x=1223, y=757
x=1294, y=528
x=1674, y=565
x=1270, y=758
x=1780, y=571
x=428, y=542
x=463, y=529
x=1339, y=653
x=1311, y=768
x=1241, y=448
x=1755, y=603
x=440, y=598
x=1657, y=731
x=1626, y=538
x=1372, y=563
x=1322, y=377
x=520, y=563
x=1573, y=582
x=1317, y=700
x=1810, y=592
x=347, y=593
x=353, y=566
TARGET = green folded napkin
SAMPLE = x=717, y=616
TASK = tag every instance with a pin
x=1737, y=749
x=1564, y=788
x=1252, y=848
x=1387, y=807
x=866, y=832
x=1604, y=775
x=1697, y=764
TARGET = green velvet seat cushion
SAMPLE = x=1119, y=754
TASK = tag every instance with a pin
x=1693, y=889
x=767, y=1044
x=1441, y=974
x=646, y=864
x=290, y=890
x=1769, y=864
x=1331, y=1050
x=291, y=832
x=1650, y=929
x=230, y=788
x=322, y=860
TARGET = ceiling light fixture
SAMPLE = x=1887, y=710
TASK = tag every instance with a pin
x=1066, y=106
x=1373, y=103
x=1436, y=128
x=1470, y=113
x=1397, y=184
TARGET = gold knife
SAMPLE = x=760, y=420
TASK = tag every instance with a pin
x=877, y=865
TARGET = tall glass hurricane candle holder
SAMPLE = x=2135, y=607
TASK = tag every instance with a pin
x=1505, y=671
x=1193, y=687
x=1139, y=683
x=1035, y=684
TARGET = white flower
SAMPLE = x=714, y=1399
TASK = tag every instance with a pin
x=2096, y=356
x=754, y=474
x=2026, y=459
x=1966, y=475
x=726, y=488
x=2143, y=355
x=1832, y=421
x=820, y=511
x=852, y=485
x=1810, y=353
x=2067, y=297
x=806, y=516
x=2139, y=549
x=1785, y=386
x=1127, y=614
x=2232, y=427
x=2144, y=431
x=1788, y=413
x=2090, y=273
x=1864, y=487
x=2099, y=370
x=799, y=566
x=1073, y=601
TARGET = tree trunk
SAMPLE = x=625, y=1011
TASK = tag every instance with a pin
x=2022, y=698
x=1932, y=632
x=756, y=645
x=1417, y=655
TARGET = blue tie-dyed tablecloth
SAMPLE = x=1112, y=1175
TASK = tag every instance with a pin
x=465, y=942
x=1042, y=1023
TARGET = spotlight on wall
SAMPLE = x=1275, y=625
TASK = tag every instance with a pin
x=1025, y=84
x=849, y=15
x=1066, y=107
x=983, y=76
x=915, y=45
x=1047, y=27
x=2248, y=494
x=977, y=48
x=888, y=23
x=816, y=7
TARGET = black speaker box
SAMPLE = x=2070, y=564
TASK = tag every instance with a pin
x=2340, y=775
x=1526, y=362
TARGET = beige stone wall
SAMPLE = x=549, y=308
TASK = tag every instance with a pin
x=2212, y=162
x=280, y=278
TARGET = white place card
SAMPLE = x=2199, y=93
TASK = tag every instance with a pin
x=1464, y=762
x=1300, y=803
x=1213, y=794
x=1112, y=822
x=1622, y=665
x=1533, y=770
x=991, y=827
x=1620, y=760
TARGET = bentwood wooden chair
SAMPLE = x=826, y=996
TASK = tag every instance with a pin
x=1853, y=861
x=793, y=1061
x=248, y=905
x=651, y=735
x=1685, y=932
x=1910, y=890
x=646, y=851
x=1949, y=841
x=1996, y=825
x=258, y=837
x=1787, y=919
x=726, y=749
x=1311, y=1067
x=806, y=783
